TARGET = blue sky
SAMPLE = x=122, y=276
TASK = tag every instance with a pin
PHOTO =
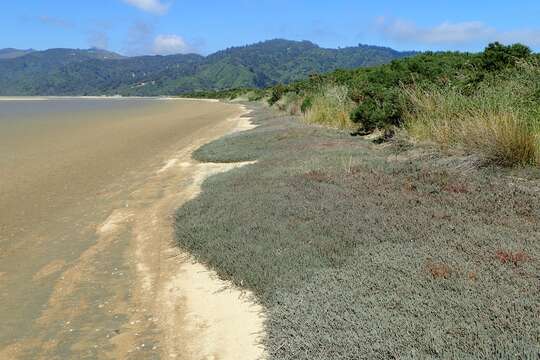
x=136, y=27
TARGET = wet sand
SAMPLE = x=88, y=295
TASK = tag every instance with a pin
x=87, y=269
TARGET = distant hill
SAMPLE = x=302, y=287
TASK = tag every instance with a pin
x=99, y=72
x=10, y=53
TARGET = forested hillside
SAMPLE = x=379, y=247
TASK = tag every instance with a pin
x=10, y=53
x=98, y=72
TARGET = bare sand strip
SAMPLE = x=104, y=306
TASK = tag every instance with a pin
x=199, y=315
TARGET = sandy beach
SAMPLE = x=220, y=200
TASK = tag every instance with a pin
x=87, y=264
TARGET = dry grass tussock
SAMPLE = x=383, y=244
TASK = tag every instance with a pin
x=331, y=106
x=290, y=103
x=502, y=137
x=496, y=122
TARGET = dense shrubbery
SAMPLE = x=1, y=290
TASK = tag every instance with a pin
x=377, y=91
x=380, y=87
x=498, y=57
x=496, y=92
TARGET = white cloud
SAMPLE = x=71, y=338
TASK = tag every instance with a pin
x=170, y=44
x=448, y=33
x=142, y=40
x=151, y=6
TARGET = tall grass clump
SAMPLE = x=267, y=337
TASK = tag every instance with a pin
x=290, y=102
x=331, y=106
x=500, y=120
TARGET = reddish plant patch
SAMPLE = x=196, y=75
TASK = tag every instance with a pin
x=517, y=258
x=318, y=176
x=457, y=188
x=439, y=270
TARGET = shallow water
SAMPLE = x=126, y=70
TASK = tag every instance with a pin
x=34, y=108
x=65, y=165
x=55, y=150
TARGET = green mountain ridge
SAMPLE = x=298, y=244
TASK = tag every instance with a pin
x=99, y=72
x=10, y=53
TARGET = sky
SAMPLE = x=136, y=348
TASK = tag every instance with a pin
x=136, y=27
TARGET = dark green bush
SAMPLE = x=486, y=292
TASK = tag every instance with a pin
x=379, y=107
x=306, y=104
x=276, y=93
x=497, y=56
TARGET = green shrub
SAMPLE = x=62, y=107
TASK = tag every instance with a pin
x=306, y=104
x=497, y=56
x=380, y=107
x=276, y=93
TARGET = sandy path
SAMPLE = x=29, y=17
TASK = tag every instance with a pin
x=96, y=274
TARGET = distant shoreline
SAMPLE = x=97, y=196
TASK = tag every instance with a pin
x=45, y=98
